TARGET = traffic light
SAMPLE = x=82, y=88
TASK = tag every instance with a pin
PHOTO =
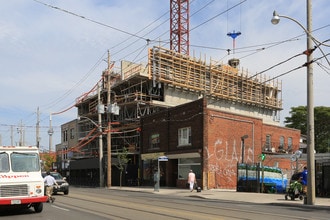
x=263, y=157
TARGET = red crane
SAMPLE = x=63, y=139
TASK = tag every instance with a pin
x=179, y=22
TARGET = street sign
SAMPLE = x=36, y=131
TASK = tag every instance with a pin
x=163, y=158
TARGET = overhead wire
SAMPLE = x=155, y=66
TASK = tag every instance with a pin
x=88, y=19
x=323, y=67
x=78, y=83
x=143, y=38
x=277, y=64
x=217, y=15
x=294, y=69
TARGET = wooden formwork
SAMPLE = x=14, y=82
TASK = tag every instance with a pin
x=217, y=81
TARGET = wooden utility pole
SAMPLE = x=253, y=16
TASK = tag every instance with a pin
x=37, y=128
x=109, y=124
x=12, y=135
x=20, y=132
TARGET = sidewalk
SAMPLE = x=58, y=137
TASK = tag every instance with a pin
x=232, y=195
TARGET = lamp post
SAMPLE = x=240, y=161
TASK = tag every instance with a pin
x=100, y=147
x=310, y=101
x=242, y=139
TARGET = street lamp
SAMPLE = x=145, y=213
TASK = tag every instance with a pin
x=242, y=139
x=310, y=101
x=100, y=147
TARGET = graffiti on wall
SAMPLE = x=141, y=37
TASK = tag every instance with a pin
x=223, y=157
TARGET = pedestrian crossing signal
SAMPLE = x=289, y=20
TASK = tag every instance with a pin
x=263, y=157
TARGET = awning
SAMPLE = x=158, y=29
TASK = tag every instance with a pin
x=184, y=155
x=152, y=156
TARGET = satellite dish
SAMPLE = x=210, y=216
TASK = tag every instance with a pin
x=293, y=157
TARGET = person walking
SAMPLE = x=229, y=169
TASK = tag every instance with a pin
x=50, y=181
x=191, y=180
x=304, y=176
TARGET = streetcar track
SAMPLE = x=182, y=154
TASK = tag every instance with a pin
x=190, y=208
x=123, y=206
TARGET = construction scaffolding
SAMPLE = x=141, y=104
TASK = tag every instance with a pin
x=140, y=89
x=215, y=81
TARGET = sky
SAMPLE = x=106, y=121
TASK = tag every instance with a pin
x=53, y=51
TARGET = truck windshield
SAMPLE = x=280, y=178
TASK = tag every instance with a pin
x=25, y=162
x=4, y=162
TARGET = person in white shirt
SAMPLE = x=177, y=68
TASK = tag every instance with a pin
x=50, y=181
x=191, y=180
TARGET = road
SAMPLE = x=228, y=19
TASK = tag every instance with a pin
x=98, y=204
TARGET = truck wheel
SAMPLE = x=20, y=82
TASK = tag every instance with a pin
x=38, y=207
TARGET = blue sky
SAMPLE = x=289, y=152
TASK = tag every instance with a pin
x=49, y=57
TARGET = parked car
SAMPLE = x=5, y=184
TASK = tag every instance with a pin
x=63, y=185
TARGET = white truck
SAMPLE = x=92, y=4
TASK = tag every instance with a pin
x=21, y=183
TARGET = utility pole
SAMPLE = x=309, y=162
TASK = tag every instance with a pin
x=100, y=111
x=37, y=128
x=310, y=112
x=109, y=125
x=310, y=100
x=12, y=135
x=20, y=132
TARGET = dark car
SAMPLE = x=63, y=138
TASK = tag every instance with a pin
x=63, y=185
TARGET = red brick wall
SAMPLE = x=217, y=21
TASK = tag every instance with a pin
x=224, y=146
x=218, y=136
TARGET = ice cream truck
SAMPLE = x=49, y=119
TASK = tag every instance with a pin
x=21, y=183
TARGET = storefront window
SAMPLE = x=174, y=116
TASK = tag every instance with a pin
x=187, y=164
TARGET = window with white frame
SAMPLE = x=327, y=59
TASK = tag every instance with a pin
x=184, y=136
x=65, y=135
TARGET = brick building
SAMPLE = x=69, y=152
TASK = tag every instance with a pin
x=209, y=141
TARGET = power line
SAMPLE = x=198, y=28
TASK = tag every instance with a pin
x=217, y=15
x=280, y=63
x=88, y=19
x=294, y=69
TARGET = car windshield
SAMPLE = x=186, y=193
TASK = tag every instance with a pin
x=57, y=176
x=4, y=162
x=25, y=162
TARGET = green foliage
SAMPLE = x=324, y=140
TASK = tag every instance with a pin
x=48, y=160
x=122, y=161
x=298, y=120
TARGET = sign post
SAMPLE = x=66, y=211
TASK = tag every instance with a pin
x=157, y=175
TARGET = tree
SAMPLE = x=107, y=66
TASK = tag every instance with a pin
x=298, y=120
x=48, y=160
x=122, y=161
